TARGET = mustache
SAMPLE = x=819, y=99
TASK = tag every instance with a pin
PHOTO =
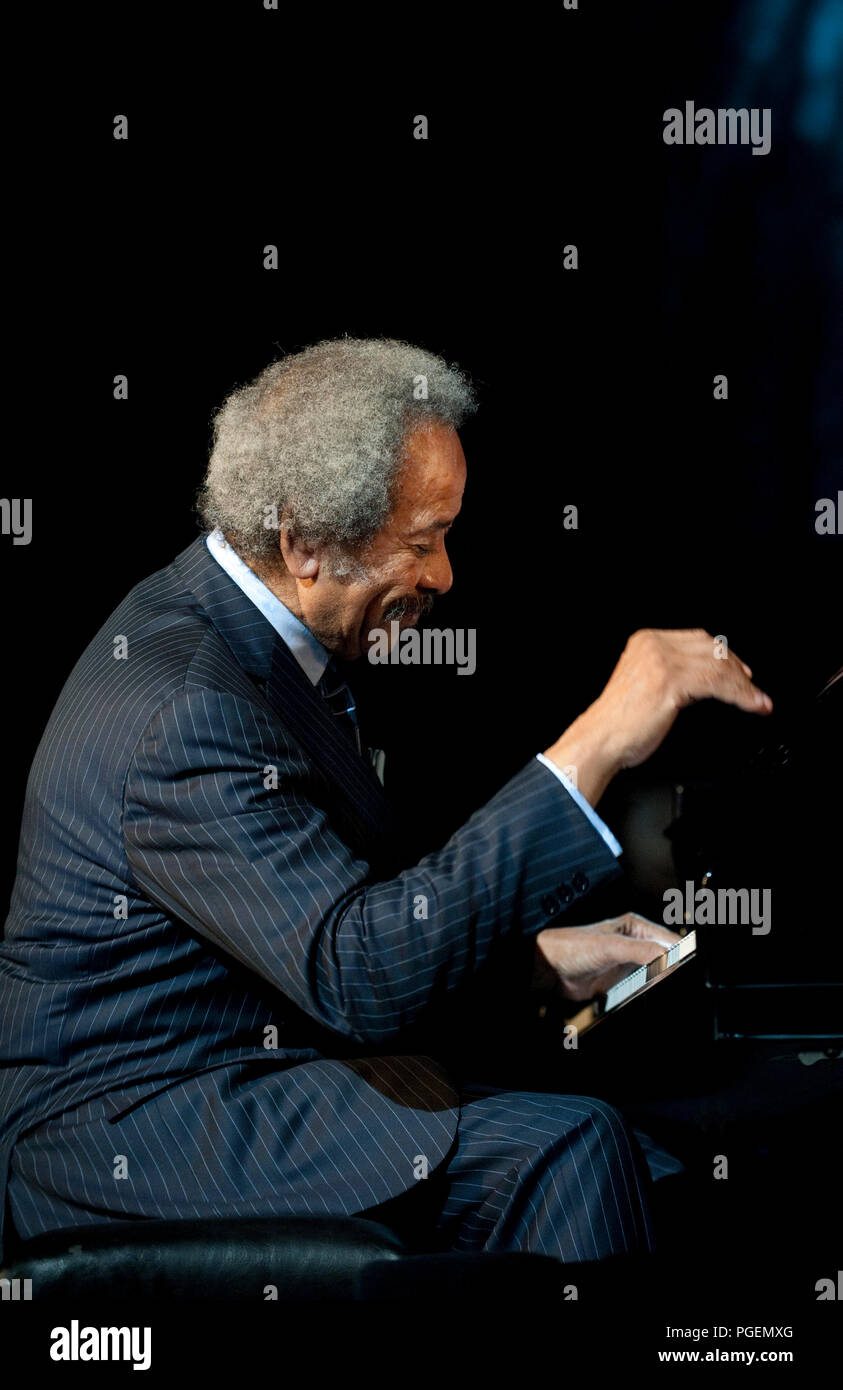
x=408, y=606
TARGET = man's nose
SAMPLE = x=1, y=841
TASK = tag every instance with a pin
x=438, y=575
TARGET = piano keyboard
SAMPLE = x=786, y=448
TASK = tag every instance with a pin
x=646, y=974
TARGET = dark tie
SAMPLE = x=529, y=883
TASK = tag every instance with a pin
x=340, y=701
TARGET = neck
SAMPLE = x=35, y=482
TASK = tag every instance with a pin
x=279, y=582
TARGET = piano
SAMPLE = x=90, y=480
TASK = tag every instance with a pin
x=773, y=829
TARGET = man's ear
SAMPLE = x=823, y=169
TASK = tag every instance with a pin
x=300, y=557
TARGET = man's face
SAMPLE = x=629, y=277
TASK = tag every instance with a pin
x=406, y=564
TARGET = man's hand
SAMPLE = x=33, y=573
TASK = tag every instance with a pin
x=659, y=673
x=580, y=962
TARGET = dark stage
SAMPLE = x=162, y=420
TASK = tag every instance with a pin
x=655, y=334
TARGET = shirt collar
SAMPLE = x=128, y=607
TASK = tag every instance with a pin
x=311, y=656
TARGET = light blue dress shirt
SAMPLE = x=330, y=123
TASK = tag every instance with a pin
x=308, y=651
x=584, y=806
x=313, y=657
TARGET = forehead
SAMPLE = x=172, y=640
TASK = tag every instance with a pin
x=433, y=476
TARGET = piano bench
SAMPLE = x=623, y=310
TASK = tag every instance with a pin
x=298, y=1257
x=291, y=1259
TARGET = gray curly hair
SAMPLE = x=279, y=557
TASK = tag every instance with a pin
x=316, y=442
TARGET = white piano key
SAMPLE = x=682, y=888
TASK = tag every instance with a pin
x=637, y=979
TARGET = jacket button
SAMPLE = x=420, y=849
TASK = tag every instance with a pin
x=580, y=882
x=550, y=905
x=566, y=893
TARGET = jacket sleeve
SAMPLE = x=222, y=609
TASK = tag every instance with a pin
x=253, y=863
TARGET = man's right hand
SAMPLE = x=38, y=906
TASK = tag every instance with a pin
x=659, y=673
x=580, y=962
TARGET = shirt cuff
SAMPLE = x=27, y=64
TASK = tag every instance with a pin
x=589, y=811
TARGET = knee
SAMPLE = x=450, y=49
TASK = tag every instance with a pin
x=601, y=1122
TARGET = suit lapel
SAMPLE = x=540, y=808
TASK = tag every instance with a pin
x=262, y=654
x=308, y=717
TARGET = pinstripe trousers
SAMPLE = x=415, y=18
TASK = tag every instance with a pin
x=554, y=1174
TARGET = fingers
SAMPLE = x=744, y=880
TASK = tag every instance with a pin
x=633, y=951
x=734, y=687
x=715, y=672
x=645, y=930
x=684, y=665
x=631, y=924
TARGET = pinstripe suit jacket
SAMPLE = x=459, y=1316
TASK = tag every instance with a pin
x=206, y=881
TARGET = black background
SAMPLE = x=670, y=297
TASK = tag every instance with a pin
x=145, y=258
x=249, y=128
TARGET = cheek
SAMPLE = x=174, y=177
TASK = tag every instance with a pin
x=400, y=577
x=378, y=599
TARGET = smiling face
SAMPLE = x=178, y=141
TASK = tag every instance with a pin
x=406, y=565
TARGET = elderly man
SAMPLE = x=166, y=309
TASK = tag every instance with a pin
x=210, y=952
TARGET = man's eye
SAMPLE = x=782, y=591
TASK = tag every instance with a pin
x=422, y=549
